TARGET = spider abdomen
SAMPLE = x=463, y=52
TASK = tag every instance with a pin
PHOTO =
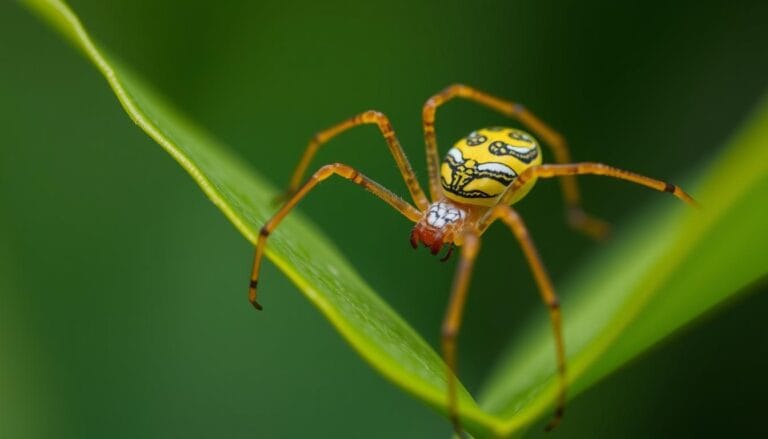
x=480, y=166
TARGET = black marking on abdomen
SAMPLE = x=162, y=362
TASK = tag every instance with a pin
x=474, y=139
x=504, y=149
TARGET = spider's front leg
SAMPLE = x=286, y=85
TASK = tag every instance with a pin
x=368, y=117
x=344, y=171
x=590, y=168
x=452, y=320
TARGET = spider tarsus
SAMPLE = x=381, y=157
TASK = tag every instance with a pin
x=457, y=429
x=252, y=294
x=695, y=203
x=448, y=254
x=555, y=421
x=683, y=195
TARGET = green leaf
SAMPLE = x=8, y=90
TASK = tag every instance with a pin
x=310, y=260
x=669, y=267
x=659, y=274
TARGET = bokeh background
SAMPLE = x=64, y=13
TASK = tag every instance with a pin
x=122, y=289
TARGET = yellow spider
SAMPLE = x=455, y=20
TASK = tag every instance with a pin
x=475, y=185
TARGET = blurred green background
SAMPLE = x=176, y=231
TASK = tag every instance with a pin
x=122, y=289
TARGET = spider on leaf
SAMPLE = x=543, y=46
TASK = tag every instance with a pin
x=479, y=180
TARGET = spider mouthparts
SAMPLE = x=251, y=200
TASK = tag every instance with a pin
x=447, y=254
x=414, y=239
x=431, y=238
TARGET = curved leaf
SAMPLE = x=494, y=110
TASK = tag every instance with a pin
x=658, y=275
x=310, y=260
x=670, y=266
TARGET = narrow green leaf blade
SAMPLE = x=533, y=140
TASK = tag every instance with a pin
x=379, y=334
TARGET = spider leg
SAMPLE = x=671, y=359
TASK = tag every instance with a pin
x=368, y=117
x=586, y=168
x=511, y=218
x=323, y=173
x=452, y=320
x=577, y=218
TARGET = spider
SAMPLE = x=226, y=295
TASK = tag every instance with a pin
x=479, y=180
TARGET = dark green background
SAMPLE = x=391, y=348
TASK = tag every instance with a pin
x=122, y=289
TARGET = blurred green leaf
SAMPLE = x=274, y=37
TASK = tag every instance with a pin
x=667, y=269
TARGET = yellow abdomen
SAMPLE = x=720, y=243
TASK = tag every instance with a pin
x=480, y=166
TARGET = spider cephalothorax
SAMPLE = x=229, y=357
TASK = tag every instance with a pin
x=440, y=225
x=480, y=178
x=475, y=173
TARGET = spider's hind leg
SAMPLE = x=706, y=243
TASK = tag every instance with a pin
x=575, y=214
x=368, y=117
